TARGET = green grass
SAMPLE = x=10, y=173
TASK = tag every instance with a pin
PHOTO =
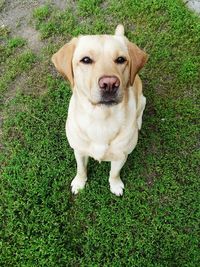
x=156, y=222
x=14, y=66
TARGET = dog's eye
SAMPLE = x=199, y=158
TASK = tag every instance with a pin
x=86, y=60
x=120, y=60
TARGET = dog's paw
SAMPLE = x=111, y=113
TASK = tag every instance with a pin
x=116, y=186
x=77, y=184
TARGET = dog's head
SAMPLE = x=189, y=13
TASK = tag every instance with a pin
x=100, y=67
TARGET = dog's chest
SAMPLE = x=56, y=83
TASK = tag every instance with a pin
x=101, y=129
x=101, y=136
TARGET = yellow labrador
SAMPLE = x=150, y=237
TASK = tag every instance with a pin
x=106, y=107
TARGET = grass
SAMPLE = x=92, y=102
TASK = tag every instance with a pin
x=156, y=222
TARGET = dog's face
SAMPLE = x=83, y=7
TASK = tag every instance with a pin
x=100, y=67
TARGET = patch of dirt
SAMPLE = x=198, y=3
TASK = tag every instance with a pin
x=18, y=83
x=33, y=38
x=150, y=179
x=61, y=4
x=194, y=5
x=17, y=15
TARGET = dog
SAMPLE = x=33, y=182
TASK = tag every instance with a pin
x=107, y=103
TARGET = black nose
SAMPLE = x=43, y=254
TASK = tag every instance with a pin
x=109, y=84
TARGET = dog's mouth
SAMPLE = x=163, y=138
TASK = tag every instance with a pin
x=109, y=99
x=108, y=102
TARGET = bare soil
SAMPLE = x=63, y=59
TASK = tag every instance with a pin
x=17, y=16
x=194, y=5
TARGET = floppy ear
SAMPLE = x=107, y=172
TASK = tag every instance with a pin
x=63, y=60
x=137, y=60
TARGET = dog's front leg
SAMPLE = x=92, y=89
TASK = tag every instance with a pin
x=116, y=184
x=80, y=179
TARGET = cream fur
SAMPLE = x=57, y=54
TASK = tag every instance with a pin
x=106, y=133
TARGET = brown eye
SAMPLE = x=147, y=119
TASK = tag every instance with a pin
x=120, y=60
x=86, y=60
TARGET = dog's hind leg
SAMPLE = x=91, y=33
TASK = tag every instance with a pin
x=142, y=104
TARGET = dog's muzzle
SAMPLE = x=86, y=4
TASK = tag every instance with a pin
x=109, y=87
